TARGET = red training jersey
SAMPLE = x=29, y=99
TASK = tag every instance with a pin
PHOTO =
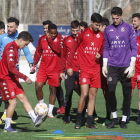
x=67, y=44
x=137, y=65
x=50, y=51
x=89, y=43
x=9, y=61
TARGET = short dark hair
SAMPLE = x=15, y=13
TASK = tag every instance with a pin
x=13, y=19
x=116, y=11
x=26, y=36
x=137, y=15
x=2, y=25
x=84, y=24
x=96, y=18
x=105, y=21
x=46, y=22
x=74, y=24
x=52, y=26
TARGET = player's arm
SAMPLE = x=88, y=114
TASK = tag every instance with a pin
x=105, y=53
x=130, y=71
x=75, y=45
x=11, y=62
x=55, y=46
x=38, y=52
x=1, y=49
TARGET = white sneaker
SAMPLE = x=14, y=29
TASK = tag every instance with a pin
x=50, y=115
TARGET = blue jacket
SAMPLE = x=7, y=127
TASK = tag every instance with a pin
x=120, y=44
x=5, y=39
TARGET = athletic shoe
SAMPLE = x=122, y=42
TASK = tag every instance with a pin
x=78, y=124
x=106, y=122
x=10, y=129
x=62, y=110
x=44, y=117
x=58, y=111
x=38, y=121
x=95, y=118
x=50, y=115
x=112, y=123
x=91, y=125
x=123, y=125
x=3, y=118
x=67, y=119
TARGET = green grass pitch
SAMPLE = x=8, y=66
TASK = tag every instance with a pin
x=27, y=128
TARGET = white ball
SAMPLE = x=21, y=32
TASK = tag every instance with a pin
x=41, y=109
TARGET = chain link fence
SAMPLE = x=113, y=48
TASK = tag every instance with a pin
x=63, y=11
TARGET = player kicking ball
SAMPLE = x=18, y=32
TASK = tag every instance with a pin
x=10, y=87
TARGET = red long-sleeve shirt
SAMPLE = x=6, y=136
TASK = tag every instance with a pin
x=50, y=51
x=9, y=61
x=67, y=44
x=89, y=44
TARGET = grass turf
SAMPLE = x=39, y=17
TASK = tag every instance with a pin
x=27, y=128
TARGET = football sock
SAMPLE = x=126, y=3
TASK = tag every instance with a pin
x=114, y=114
x=7, y=122
x=79, y=115
x=50, y=108
x=89, y=118
x=94, y=113
x=41, y=101
x=124, y=118
x=108, y=115
x=32, y=115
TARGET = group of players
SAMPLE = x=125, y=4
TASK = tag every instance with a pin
x=92, y=57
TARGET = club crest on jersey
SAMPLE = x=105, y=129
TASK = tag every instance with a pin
x=55, y=40
x=87, y=35
x=122, y=29
x=98, y=36
x=69, y=40
x=84, y=80
x=13, y=94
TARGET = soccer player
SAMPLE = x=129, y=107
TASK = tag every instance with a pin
x=83, y=25
x=10, y=36
x=90, y=43
x=70, y=80
x=3, y=118
x=104, y=86
x=2, y=27
x=136, y=23
x=9, y=83
x=120, y=51
x=50, y=49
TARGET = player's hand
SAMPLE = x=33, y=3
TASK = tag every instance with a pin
x=97, y=55
x=28, y=81
x=62, y=76
x=70, y=71
x=104, y=68
x=32, y=68
x=130, y=71
x=104, y=71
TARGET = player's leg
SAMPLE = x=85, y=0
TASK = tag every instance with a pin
x=108, y=108
x=138, y=85
x=39, y=91
x=81, y=104
x=9, y=114
x=91, y=106
x=52, y=99
x=69, y=86
x=28, y=108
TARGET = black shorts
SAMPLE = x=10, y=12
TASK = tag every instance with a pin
x=116, y=74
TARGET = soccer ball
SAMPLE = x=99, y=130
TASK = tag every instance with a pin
x=41, y=109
